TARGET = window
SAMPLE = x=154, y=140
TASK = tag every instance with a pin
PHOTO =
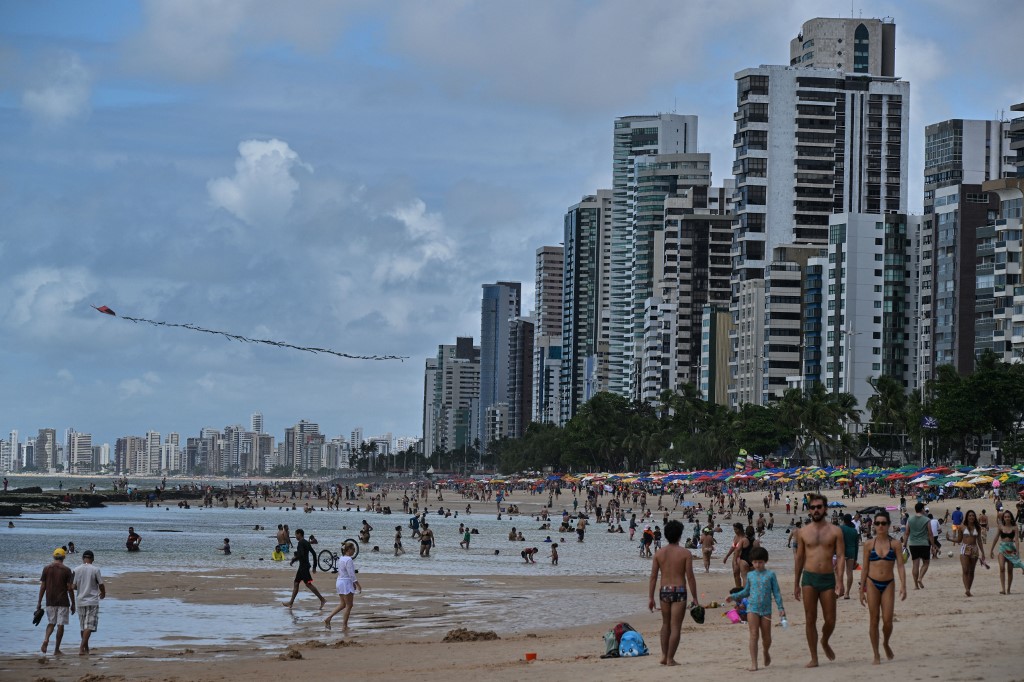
x=861, y=45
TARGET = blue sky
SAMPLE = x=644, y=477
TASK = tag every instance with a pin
x=347, y=177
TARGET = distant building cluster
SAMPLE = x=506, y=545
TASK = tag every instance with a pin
x=802, y=268
x=233, y=450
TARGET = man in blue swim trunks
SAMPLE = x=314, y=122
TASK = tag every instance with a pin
x=817, y=543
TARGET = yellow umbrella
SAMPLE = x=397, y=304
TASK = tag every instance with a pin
x=981, y=479
x=842, y=480
x=963, y=484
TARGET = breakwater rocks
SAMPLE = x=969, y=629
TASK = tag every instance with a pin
x=35, y=501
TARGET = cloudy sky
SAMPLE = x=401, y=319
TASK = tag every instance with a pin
x=347, y=176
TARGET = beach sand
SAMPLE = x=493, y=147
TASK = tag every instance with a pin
x=939, y=633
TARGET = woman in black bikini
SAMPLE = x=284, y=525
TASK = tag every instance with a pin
x=971, y=549
x=882, y=559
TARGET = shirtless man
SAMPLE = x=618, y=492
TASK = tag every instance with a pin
x=675, y=564
x=817, y=543
x=707, y=547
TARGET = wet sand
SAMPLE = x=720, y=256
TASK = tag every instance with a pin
x=400, y=620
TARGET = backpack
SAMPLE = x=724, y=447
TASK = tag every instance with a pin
x=632, y=644
x=611, y=645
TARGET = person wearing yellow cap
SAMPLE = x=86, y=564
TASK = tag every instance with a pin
x=57, y=583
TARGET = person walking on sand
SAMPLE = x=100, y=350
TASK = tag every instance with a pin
x=883, y=557
x=347, y=586
x=707, y=547
x=675, y=564
x=57, y=584
x=762, y=585
x=972, y=549
x=90, y=589
x=917, y=536
x=1008, y=538
x=303, y=551
x=817, y=543
x=851, y=541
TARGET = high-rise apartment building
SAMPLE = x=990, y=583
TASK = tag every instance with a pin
x=149, y=463
x=547, y=342
x=257, y=422
x=1000, y=294
x=827, y=136
x=452, y=421
x=691, y=267
x=45, y=451
x=128, y=451
x=715, y=350
x=634, y=137
x=500, y=305
x=301, y=446
x=869, y=320
x=850, y=45
x=520, y=376
x=430, y=407
x=585, y=302
x=355, y=439
x=960, y=155
x=79, y=448
x=781, y=354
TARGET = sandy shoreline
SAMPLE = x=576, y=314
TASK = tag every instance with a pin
x=409, y=616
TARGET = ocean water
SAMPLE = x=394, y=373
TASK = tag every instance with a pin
x=188, y=539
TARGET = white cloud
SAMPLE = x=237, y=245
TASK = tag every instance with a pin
x=66, y=376
x=428, y=243
x=62, y=94
x=198, y=40
x=263, y=189
x=139, y=386
x=39, y=300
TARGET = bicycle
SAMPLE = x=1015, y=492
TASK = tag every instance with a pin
x=327, y=560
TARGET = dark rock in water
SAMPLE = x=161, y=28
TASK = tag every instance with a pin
x=10, y=510
x=31, y=490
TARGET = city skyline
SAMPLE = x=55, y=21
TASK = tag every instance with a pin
x=324, y=180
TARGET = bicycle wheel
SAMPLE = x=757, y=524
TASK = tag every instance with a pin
x=326, y=559
x=353, y=542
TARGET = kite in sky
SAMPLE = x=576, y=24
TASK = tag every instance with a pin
x=237, y=337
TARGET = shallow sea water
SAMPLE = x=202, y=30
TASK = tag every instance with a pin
x=187, y=540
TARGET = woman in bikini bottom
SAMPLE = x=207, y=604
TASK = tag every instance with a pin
x=882, y=560
x=671, y=594
x=969, y=537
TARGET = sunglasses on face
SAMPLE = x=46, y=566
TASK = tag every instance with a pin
x=881, y=523
x=816, y=506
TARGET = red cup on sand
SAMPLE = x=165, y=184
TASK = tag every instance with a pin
x=531, y=657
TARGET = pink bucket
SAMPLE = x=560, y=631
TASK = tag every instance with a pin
x=733, y=615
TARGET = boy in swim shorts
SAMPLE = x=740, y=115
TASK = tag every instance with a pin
x=675, y=564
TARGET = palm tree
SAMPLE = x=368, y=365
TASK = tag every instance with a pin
x=888, y=406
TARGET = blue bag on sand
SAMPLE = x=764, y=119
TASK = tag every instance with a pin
x=632, y=644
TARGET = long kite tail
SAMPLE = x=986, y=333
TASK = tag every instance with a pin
x=238, y=337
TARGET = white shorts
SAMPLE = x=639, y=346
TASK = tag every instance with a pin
x=89, y=617
x=345, y=586
x=58, y=615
